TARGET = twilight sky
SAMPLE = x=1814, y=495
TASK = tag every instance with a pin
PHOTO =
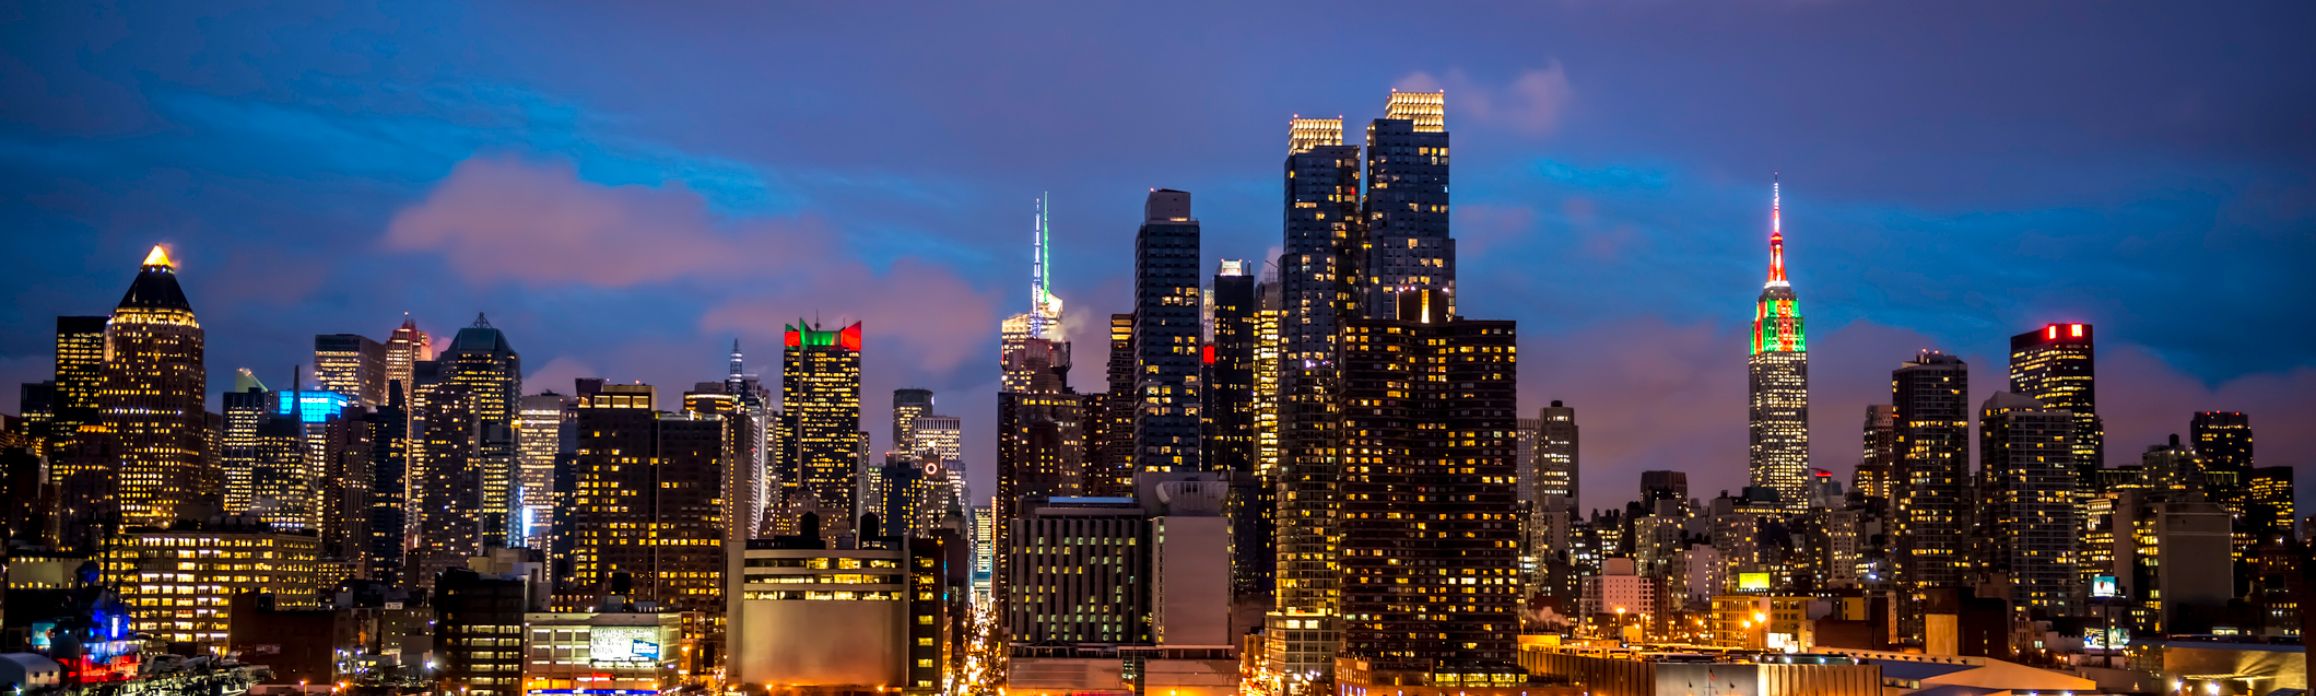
x=627, y=188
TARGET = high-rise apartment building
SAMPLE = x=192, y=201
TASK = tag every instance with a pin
x=1931, y=484
x=351, y=364
x=389, y=487
x=2268, y=504
x=1430, y=532
x=247, y=406
x=1777, y=381
x=2054, y=365
x=2026, y=489
x=1110, y=459
x=1167, y=385
x=820, y=391
x=1230, y=366
x=406, y=347
x=463, y=467
x=1406, y=212
x=153, y=404
x=1319, y=272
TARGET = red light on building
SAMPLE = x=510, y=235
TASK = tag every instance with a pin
x=849, y=338
x=791, y=338
x=2076, y=330
x=1206, y=353
x=2051, y=332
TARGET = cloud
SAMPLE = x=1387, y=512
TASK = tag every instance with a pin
x=537, y=223
x=1532, y=104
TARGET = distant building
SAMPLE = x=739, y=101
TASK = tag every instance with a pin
x=479, y=633
x=151, y=413
x=648, y=502
x=2056, y=366
x=545, y=433
x=1879, y=455
x=463, y=470
x=351, y=364
x=602, y=648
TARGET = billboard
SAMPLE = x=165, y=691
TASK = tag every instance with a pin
x=2103, y=586
x=1752, y=582
x=623, y=644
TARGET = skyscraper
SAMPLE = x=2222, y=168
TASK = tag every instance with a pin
x=545, y=432
x=407, y=346
x=1556, y=462
x=75, y=442
x=1430, y=534
x=1044, y=318
x=1319, y=272
x=2054, y=366
x=463, y=468
x=1777, y=380
x=1110, y=460
x=1879, y=455
x=1043, y=444
x=939, y=439
x=351, y=364
x=1408, y=247
x=820, y=390
x=1932, y=518
x=153, y=403
x=1230, y=371
x=389, y=486
x=1167, y=387
x=2026, y=487
x=908, y=405
x=649, y=501
x=248, y=405
x=2224, y=439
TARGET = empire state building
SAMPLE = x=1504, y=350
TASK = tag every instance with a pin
x=1777, y=381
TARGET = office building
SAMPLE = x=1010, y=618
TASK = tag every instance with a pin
x=1166, y=338
x=1430, y=531
x=1230, y=371
x=1931, y=483
x=908, y=405
x=2026, y=488
x=245, y=407
x=545, y=433
x=351, y=364
x=1110, y=447
x=463, y=467
x=1043, y=321
x=820, y=392
x=648, y=502
x=152, y=406
x=1879, y=455
x=602, y=648
x=178, y=583
x=1556, y=452
x=73, y=441
x=389, y=487
x=1078, y=572
x=478, y=632
x=813, y=618
x=1777, y=381
x=2055, y=366
x=2269, y=505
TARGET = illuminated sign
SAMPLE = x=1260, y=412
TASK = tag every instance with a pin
x=802, y=335
x=2103, y=586
x=1753, y=582
x=2117, y=639
x=317, y=406
x=615, y=644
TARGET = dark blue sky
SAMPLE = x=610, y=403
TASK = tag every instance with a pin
x=626, y=188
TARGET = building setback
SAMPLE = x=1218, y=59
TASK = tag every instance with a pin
x=1777, y=382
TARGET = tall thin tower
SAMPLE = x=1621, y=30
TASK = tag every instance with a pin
x=1778, y=380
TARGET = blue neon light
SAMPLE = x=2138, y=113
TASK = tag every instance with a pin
x=320, y=406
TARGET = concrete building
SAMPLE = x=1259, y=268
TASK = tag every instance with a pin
x=809, y=618
x=608, y=648
x=178, y=583
x=1605, y=673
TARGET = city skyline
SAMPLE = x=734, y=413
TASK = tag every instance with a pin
x=1561, y=235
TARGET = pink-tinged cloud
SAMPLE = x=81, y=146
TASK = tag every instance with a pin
x=537, y=223
x=1532, y=104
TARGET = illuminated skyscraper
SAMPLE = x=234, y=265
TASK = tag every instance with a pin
x=1318, y=275
x=2026, y=484
x=2268, y=505
x=1110, y=457
x=820, y=390
x=2055, y=366
x=1777, y=379
x=463, y=470
x=1430, y=529
x=248, y=405
x=1167, y=351
x=1408, y=247
x=351, y=364
x=908, y=405
x=939, y=439
x=1230, y=371
x=1879, y=454
x=648, y=501
x=1048, y=437
x=405, y=348
x=1044, y=318
x=389, y=486
x=75, y=442
x=1556, y=461
x=153, y=403
x=545, y=432
x=1931, y=483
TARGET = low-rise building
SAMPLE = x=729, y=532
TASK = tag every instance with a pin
x=178, y=583
x=590, y=651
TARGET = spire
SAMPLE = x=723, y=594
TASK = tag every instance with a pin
x=409, y=323
x=1037, y=281
x=1776, y=235
x=480, y=321
x=736, y=357
x=158, y=258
